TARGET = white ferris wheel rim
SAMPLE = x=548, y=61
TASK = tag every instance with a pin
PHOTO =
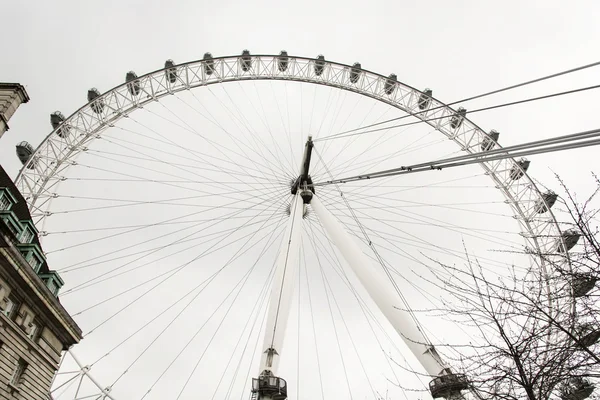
x=43, y=172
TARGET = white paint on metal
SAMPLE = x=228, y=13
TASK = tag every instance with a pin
x=282, y=290
x=380, y=290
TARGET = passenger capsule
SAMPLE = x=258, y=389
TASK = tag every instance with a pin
x=283, y=61
x=582, y=284
x=93, y=97
x=570, y=238
x=425, y=99
x=518, y=169
x=588, y=334
x=548, y=198
x=390, y=84
x=133, y=83
x=267, y=386
x=355, y=72
x=209, y=64
x=576, y=388
x=319, y=65
x=24, y=152
x=458, y=117
x=448, y=385
x=170, y=71
x=488, y=141
x=246, y=61
x=56, y=120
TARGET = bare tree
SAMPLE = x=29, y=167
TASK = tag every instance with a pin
x=538, y=333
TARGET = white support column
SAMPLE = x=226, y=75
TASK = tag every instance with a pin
x=283, y=288
x=381, y=291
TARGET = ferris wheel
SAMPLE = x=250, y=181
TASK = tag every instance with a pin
x=207, y=251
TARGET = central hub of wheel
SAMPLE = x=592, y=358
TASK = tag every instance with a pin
x=304, y=182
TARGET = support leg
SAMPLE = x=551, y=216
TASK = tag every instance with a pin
x=380, y=290
x=283, y=288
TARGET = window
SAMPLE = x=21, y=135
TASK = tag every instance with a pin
x=4, y=291
x=11, y=226
x=5, y=303
x=19, y=372
x=9, y=307
x=26, y=235
x=32, y=330
x=33, y=261
x=5, y=202
x=52, y=281
x=52, y=286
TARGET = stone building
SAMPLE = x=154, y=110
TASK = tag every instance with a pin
x=11, y=97
x=35, y=329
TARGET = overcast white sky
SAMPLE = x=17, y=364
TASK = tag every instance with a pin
x=59, y=49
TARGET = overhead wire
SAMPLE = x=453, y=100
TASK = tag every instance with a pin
x=420, y=121
x=335, y=331
x=382, y=262
x=205, y=209
x=313, y=105
x=529, y=82
x=571, y=141
x=129, y=289
x=233, y=137
x=268, y=244
x=195, y=154
x=179, y=269
x=242, y=281
x=418, y=288
x=258, y=306
x=314, y=331
x=218, y=240
x=330, y=253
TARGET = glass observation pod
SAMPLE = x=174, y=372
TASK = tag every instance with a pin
x=56, y=120
x=546, y=201
x=355, y=72
x=518, y=170
x=24, y=153
x=425, y=99
x=390, y=84
x=458, y=117
x=283, y=60
x=270, y=387
x=170, y=71
x=93, y=97
x=490, y=140
x=570, y=237
x=246, y=61
x=576, y=388
x=583, y=283
x=209, y=63
x=319, y=65
x=133, y=83
x=589, y=334
x=448, y=385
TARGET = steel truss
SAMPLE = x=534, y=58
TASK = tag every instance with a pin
x=40, y=177
x=44, y=171
x=78, y=379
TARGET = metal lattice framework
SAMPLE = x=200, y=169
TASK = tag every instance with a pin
x=79, y=378
x=40, y=177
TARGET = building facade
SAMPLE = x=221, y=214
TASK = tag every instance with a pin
x=11, y=97
x=35, y=329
